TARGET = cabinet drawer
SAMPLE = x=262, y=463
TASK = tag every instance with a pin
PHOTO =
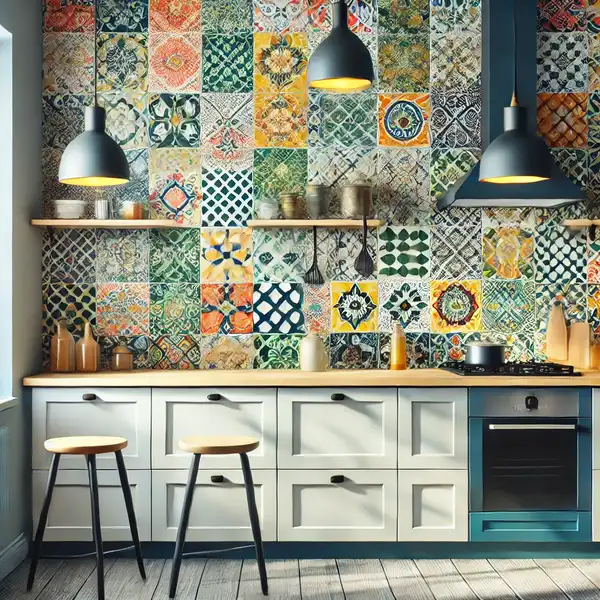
x=70, y=517
x=433, y=506
x=432, y=428
x=178, y=413
x=362, y=507
x=219, y=510
x=121, y=412
x=329, y=428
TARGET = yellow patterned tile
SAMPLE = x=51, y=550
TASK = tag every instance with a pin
x=404, y=119
x=280, y=62
x=354, y=306
x=280, y=120
x=455, y=306
x=226, y=255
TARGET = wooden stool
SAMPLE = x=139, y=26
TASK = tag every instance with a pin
x=218, y=445
x=88, y=446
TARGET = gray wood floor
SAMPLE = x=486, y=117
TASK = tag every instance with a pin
x=200, y=579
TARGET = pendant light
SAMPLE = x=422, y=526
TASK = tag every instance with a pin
x=93, y=158
x=341, y=62
x=518, y=155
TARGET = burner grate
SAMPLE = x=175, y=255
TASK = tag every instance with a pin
x=530, y=369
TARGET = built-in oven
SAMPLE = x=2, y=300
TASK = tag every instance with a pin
x=530, y=464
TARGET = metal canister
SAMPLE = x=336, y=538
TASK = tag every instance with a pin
x=357, y=200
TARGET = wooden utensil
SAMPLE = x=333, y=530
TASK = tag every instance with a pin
x=580, y=339
x=556, y=334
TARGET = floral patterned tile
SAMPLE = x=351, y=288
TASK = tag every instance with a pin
x=122, y=309
x=561, y=15
x=73, y=16
x=280, y=15
x=278, y=308
x=417, y=350
x=231, y=17
x=174, y=120
x=317, y=308
x=354, y=306
x=362, y=17
x=116, y=15
x=138, y=344
x=404, y=302
x=280, y=255
x=450, y=347
x=403, y=63
x=560, y=255
x=69, y=256
x=452, y=16
x=448, y=166
x=572, y=296
x=277, y=351
x=562, y=62
x=226, y=196
x=508, y=253
x=456, y=62
x=456, y=252
x=455, y=306
x=226, y=255
x=593, y=17
x=174, y=309
x=63, y=116
x=227, y=63
x=175, y=61
x=122, y=62
x=456, y=120
x=404, y=252
x=175, y=352
x=343, y=247
x=76, y=303
x=122, y=255
x=354, y=350
x=227, y=352
x=508, y=307
x=519, y=348
x=280, y=62
x=594, y=63
x=68, y=63
x=562, y=119
x=278, y=170
x=126, y=118
x=280, y=120
x=404, y=119
x=227, y=308
x=524, y=218
x=181, y=16
x=400, y=17
x=174, y=256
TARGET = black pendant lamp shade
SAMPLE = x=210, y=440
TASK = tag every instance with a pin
x=341, y=63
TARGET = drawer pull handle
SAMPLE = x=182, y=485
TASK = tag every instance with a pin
x=337, y=479
x=338, y=397
x=531, y=403
x=214, y=397
x=89, y=397
x=217, y=478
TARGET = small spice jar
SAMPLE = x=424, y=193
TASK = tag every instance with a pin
x=122, y=359
x=133, y=210
x=291, y=206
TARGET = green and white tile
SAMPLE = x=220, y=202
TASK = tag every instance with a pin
x=508, y=307
x=280, y=255
x=277, y=351
x=175, y=256
x=404, y=302
x=174, y=309
x=122, y=255
x=404, y=252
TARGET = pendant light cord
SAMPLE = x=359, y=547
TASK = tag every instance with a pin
x=515, y=98
x=95, y=54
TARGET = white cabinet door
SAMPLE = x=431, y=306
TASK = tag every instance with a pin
x=596, y=428
x=219, y=510
x=433, y=506
x=121, y=412
x=70, y=516
x=595, y=505
x=329, y=428
x=361, y=507
x=432, y=428
x=181, y=412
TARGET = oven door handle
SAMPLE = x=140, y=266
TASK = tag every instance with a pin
x=531, y=426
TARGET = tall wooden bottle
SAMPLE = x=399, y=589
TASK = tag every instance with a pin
x=62, y=349
x=87, y=352
x=556, y=334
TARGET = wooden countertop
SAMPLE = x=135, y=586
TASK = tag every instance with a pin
x=276, y=378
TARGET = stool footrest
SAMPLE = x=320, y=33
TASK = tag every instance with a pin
x=105, y=553
x=219, y=551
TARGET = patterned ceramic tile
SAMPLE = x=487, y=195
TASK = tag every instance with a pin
x=593, y=270
x=117, y=15
x=572, y=296
x=448, y=166
x=278, y=170
x=450, y=347
x=280, y=62
x=122, y=255
x=562, y=119
x=280, y=254
x=174, y=308
x=354, y=350
x=68, y=63
x=138, y=344
x=227, y=308
x=229, y=17
x=519, y=348
x=174, y=120
x=122, y=62
x=573, y=162
x=51, y=187
x=277, y=351
x=560, y=255
x=417, y=350
x=509, y=306
x=404, y=252
x=399, y=17
x=525, y=218
x=594, y=308
x=280, y=15
x=455, y=120
x=354, y=306
x=562, y=62
x=175, y=352
x=561, y=15
x=63, y=116
x=227, y=63
x=181, y=16
x=451, y=16
x=317, y=308
x=593, y=118
x=226, y=196
x=280, y=120
x=174, y=255
x=126, y=118
x=342, y=119
x=343, y=246
x=74, y=16
x=594, y=63
x=175, y=62
x=455, y=306
x=226, y=255
x=362, y=16
x=404, y=119
x=76, y=303
x=122, y=309
x=227, y=352
x=508, y=253
x=456, y=252
x=278, y=308
x=69, y=256
x=456, y=62
x=593, y=178
x=404, y=302
x=137, y=188
x=403, y=63
x=593, y=15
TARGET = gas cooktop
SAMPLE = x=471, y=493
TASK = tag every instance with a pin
x=525, y=369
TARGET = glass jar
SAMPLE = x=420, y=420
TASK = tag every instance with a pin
x=122, y=359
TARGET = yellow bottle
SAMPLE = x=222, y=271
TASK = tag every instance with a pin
x=87, y=352
x=62, y=349
x=398, y=349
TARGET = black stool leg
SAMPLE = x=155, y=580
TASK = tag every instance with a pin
x=183, y=524
x=93, y=476
x=255, y=524
x=130, y=511
x=39, y=535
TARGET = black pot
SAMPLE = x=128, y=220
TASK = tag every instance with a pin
x=485, y=354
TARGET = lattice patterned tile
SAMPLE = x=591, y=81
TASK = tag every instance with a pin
x=524, y=218
x=455, y=306
x=593, y=119
x=554, y=217
x=342, y=119
x=571, y=295
x=280, y=254
x=594, y=308
x=116, y=15
x=561, y=15
x=317, y=308
x=560, y=254
x=403, y=63
x=456, y=252
x=448, y=166
x=400, y=17
x=227, y=63
x=230, y=17
x=280, y=62
x=76, y=303
x=594, y=63
x=404, y=119
x=404, y=252
x=593, y=176
x=175, y=352
x=354, y=350
x=123, y=309
x=343, y=246
x=174, y=256
x=137, y=189
x=122, y=255
x=68, y=63
x=362, y=17
x=138, y=344
x=562, y=119
x=417, y=350
x=175, y=62
x=226, y=197
x=277, y=351
x=451, y=217
x=73, y=16
x=279, y=170
x=122, y=62
x=354, y=306
x=280, y=120
x=69, y=256
x=226, y=255
x=63, y=116
x=509, y=307
x=508, y=253
x=52, y=189
x=573, y=163
x=562, y=62
x=182, y=16
x=456, y=62
x=174, y=309
x=227, y=352
x=450, y=347
x=278, y=308
x=227, y=308
x=126, y=118
x=404, y=302
x=455, y=120
x=174, y=120
x=451, y=16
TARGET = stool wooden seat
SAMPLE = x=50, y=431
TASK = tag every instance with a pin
x=85, y=444
x=218, y=444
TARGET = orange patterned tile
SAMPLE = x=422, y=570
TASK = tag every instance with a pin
x=175, y=15
x=404, y=119
x=280, y=120
x=562, y=119
x=175, y=62
x=280, y=62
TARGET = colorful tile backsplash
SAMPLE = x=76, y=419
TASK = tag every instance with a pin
x=210, y=101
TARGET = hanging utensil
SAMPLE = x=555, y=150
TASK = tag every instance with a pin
x=364, y=262
x=313, y=275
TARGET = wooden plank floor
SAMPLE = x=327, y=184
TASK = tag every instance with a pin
x=213, y=579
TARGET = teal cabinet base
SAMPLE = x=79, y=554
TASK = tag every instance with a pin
x=541, y=526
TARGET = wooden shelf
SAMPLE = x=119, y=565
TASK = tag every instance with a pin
x=580, y=223
x=105, y=224
x=332, y=223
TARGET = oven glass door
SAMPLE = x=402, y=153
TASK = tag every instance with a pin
x=529, y=464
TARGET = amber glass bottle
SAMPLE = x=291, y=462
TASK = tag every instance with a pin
x=62, y=349
x=87, y=352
